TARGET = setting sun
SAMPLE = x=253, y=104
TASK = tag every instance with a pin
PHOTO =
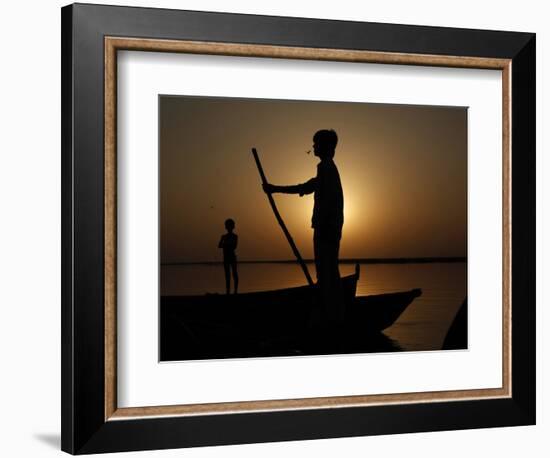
x=402, y=168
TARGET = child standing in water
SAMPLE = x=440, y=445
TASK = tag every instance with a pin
x=228, y=243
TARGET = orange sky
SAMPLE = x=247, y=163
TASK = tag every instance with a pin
x=403, y=171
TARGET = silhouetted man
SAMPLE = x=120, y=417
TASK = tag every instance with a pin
x=228, y=242
x=327, y=220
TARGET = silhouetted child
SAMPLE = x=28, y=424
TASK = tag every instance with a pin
x=228, y=243
x=327, y=220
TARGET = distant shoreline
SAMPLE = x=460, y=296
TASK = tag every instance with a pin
x=450, y=259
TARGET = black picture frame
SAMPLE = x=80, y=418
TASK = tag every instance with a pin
x=84, y=426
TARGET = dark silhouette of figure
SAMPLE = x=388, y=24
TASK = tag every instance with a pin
x=228, y=242
x=327, y=221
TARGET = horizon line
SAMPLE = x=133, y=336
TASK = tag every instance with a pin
x=418, y=260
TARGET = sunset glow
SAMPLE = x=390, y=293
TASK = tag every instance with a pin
x=403, y=171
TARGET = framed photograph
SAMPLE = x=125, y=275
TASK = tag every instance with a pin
x=286, y=228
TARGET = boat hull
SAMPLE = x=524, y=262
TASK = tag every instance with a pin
x=271, y=323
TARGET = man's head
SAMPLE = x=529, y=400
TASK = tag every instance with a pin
x=229, y=225
x=324, y=143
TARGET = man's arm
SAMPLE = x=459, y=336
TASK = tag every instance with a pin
x=305, y=188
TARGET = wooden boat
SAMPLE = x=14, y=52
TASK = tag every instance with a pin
x=457, y=334
x=218, y=325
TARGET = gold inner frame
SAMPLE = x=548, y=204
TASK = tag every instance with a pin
x=114, y=44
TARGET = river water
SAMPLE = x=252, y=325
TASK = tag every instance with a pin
x=421, y=327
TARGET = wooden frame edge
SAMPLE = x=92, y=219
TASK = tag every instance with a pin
x=111, y=46
x=110, y=234
x=294, y=52
x=507, y=227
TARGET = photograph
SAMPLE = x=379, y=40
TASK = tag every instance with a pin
x=294, y=228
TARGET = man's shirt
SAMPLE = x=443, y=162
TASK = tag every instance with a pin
x=328, y=208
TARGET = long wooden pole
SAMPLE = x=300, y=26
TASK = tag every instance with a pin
x=280, y=220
